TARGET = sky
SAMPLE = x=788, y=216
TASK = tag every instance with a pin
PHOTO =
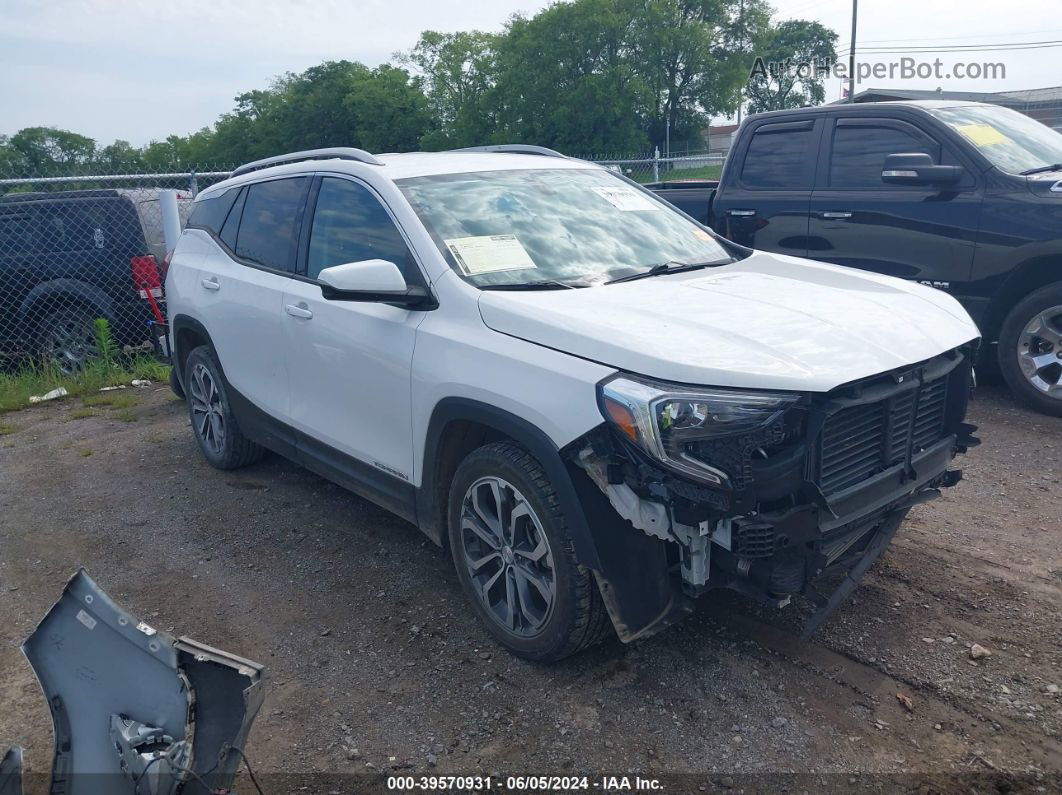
x=142, y=70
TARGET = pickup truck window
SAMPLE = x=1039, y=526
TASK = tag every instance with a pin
x=1011, y=141
x=574, y=227
x=859, y=151
x=776, y=158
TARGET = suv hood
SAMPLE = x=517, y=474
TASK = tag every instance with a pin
x=767, y=322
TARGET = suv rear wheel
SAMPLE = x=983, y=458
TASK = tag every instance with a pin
x=515, y=558
x=1030, y=349
x=214, y=425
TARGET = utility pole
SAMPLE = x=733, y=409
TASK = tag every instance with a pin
x=851, y=53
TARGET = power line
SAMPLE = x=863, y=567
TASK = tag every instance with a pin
x=1011, y=46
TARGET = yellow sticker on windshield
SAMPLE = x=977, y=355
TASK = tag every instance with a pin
x=982, y=134
x=698, y=232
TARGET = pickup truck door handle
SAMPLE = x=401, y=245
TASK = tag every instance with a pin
x=211, y=283
x=299, y=310
x=741, y=213
x=836, y=214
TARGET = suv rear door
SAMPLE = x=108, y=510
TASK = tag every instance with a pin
x=914, y=232
x=240, y=289
x=766, y=188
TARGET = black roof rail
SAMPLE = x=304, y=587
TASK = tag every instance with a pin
x=514, y=149
x=330, y=153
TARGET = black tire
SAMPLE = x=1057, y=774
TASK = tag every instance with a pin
x=213, y=423
x=175, y=384
x=577, y=617
x=66, y=338
x=1013, y=342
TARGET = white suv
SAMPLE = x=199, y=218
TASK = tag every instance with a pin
x=598, y=406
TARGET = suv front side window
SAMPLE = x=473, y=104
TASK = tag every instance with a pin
x=269, y=226
x=350, y=225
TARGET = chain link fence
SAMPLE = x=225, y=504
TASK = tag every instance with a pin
x=77, y=248
x=655, y=167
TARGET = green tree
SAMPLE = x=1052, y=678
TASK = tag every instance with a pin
x=565, y=79
x=458, y=71
x=41, y=150
x=789, y=70
x=691, y=54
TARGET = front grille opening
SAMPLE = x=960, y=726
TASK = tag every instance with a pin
x=858, y=442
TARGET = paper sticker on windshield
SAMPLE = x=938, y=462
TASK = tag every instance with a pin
x=698, y=232
x=626, y=199
x=982, y=134
x=489, y=253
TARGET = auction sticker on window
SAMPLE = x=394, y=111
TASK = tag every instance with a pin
x=982, y=134
x=626, y=199
x=489, y=253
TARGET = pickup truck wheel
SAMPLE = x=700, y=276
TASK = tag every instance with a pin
x=515, y=558
x=1030, y=349
x=213, y=423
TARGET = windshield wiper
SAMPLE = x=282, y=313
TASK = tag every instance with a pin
x=543, y=284
x=1042, y=169
x=667, y=267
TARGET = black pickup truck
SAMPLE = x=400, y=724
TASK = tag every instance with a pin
x=962, y=196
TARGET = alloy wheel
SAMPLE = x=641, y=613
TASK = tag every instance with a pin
x=1040, y=352
x=70, y=343
x=507, y=556
x=208, y=414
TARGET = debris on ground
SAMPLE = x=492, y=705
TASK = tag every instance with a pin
x=58, y=392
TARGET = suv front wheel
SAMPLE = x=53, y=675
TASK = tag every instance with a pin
x=1030, y=349
x=214, y=424
x=515, y=559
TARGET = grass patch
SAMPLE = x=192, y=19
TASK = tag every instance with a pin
x=82, y=413
x=86, y=453
x=6, y=429
x=126, y=415
x=114, y=400
x=704, y=172
x=110, y=368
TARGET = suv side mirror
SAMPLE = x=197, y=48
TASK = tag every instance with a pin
x=918, y=169
x=371, y=280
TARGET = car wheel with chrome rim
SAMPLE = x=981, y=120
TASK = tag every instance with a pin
x=1030, y=349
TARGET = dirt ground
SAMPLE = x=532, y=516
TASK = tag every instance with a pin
x=375, y=665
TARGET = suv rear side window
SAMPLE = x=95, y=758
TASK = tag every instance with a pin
x=210, y=213
x=859, y=151
x=350, y=225
x=269, y=227
x=778, y=156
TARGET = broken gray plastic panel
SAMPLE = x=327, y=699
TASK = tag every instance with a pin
x=127, y=701
x=11, y=772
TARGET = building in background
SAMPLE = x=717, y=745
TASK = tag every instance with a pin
x=718, y=138
x=1042, y=104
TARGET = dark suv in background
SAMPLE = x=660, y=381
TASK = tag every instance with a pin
x=69, y=257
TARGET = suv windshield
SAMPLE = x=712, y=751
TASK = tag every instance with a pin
x=1012, y=141
x=554, y=227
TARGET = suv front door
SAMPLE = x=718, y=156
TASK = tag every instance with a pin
x=350, y=362
x=917, y=232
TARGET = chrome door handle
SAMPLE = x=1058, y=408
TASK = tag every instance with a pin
x=298, y=311
x=741, y=213
x=211, y=284
x=832, y=214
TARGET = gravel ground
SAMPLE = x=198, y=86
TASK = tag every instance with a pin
x=375, y=665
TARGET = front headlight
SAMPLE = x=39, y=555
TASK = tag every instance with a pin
x=662, y=419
